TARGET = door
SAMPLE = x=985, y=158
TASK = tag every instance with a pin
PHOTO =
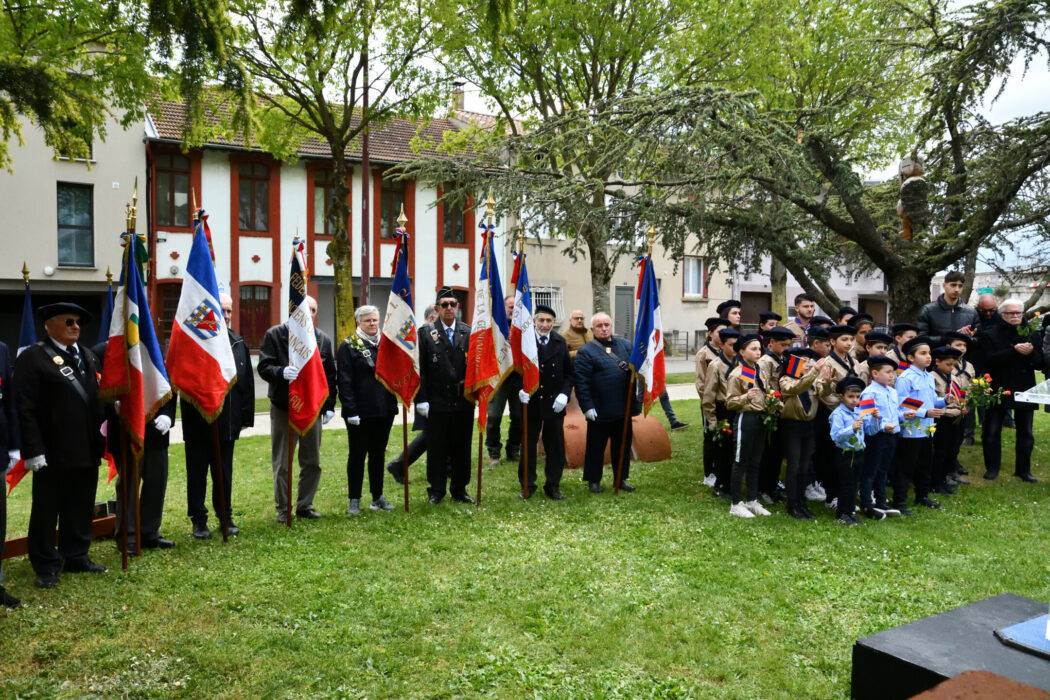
x=752, y=304
x=623, y=321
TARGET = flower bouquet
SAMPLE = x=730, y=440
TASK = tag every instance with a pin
x=1032, y=326
x=771, y=411
x=720, y=431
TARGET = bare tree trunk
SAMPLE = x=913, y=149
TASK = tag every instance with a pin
x=905, y=303
x=970, y=271
x=339, y=251
x=601, y=275
x=778, y=278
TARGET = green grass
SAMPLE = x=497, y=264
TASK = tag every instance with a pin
x=658, y=593
x=680, y=378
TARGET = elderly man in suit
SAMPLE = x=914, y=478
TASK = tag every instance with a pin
x=59, y=415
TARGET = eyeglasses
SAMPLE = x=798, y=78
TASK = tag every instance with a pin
x=1010, y=313
x=70, y=322
x=449, y=304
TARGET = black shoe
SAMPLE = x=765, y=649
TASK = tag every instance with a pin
x=201, y=532
x=1027, y=477
x=991, y=476
x=855, y=519
x=944, y=490
x=595, y=487
x=282, y=518
x=307, y=514
x=232, y=530
x=679, y=426
x=848, y=520
x=1011, y=425
x=624, y=486
x=960, y=480
x=464, y=498
x=84, y=565
x=795, y=512
x=8, y=600
x=522, y=495
x=47, y=580
x=927, y=502
x=434, y=500
x=720, y=492
x=962, y=470
x=904, y=510
x=806, y=511
x=554, y=494
x=513, y=456
x=873, y=514
x=158, y=542
x=395, y=471
x=779, y=496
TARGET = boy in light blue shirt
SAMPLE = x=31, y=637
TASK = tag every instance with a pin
x=918, y=409
x=847, y=432
x=881, y=433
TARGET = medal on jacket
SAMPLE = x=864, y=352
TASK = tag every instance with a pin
x=608, y=351
x=434, y=335
x=58, y=360
x=366, y=353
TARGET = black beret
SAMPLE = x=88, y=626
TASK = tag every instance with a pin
x=956, y=335
x=444, y=293
x=745, y=339
x=840, y=330
x=820, y=321
x=878, y=337
x=544, y=309
x=778, y=333
x=881, y=361
x=843, y=310
x=803, y=352
x=727, y=333
x=726, y=305
x=899, y=328
x=909, y=347
x=847, y=383
x=818, y=333
x=716, y=321
x=63, y=307
x=857, y=319
x=769, y=316
x=946, y=351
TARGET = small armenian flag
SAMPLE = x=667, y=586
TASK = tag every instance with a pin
x=902, y=365
x=794, y=366
x=867, y=407
x=747, y=374
x=956, y=391
x=910, y=403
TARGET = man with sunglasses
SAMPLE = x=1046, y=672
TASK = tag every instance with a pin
x=59, y=415
x=443, y=347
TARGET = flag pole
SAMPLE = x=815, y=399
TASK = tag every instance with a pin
x=486, y=246
x=123, y=495
x=524, y=407
x=291, y=453
x=404, y=450
x=131, y=211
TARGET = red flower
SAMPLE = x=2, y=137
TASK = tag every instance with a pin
x=776, y=394
x=1006, y=393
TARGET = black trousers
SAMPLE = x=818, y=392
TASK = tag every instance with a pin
x=367, y=441
x=709, y=450
x=62, y=498
x=153, y=477
x=448, y=451
x=796, y=440
x=848, y=463
x=992, y=435
x=200, y=459
x=772, y=459
x=879, y=451
x=914, y=464
x=725, y=448
x=3, y=526
x=506, y=395
x=946, y=443
x=600, y=432
x=748, y=444
x=553, y=445
x=824, y=452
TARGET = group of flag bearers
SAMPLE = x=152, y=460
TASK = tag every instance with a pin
x=854, y=417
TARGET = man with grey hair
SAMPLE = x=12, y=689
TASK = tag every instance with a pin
x=1011, y=359
x=275, y=370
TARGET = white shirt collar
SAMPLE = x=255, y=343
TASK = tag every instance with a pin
x=63, y=348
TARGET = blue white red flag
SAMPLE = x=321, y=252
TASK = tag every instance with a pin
x=26, y=337
x=107, y=315
x=647, y=356
x=489, y=359
x=397, y=366
x=523, y=345
x=308, y=391
x=133, y=370
x=200, y=359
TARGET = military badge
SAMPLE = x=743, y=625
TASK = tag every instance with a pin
x=204, y=321
x=58, y=360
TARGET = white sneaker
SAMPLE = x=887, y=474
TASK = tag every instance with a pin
x=710, y=480
x=833, y=504
x=756, y=508
x=740, y=510
x=820, y=490
x=812, y=494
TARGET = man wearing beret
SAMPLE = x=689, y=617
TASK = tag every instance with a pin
x=59, y=416
x=443, y=347
x=546, y=407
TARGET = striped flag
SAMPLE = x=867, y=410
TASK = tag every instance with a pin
x=956, y=391
x=901, y=366
x=647, y=356
x=747, y=374
x=867, y=407
x=26, y=337
x=397, y=364
x=795, y=366
x=489, y=358
x=133, y=371
x=103, y=336
x=523, y=345
x=910, y=403
x=200, y=359
x=308, y=391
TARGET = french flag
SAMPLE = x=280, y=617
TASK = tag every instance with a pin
x=397, y=364
x=308, y=391
x=647, y=356
x=26, y=337
x=133, y=371
x=200, y=360
x=522, y=332
x=489, y=359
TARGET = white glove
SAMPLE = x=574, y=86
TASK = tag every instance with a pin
x=591, y=415
x=423, y=408
x=13, y=456
x=354, y=420
x=560, y=402
x=290, y=373
x=328, y=415
x=524, y=396
x=162, y=424
x=35, y=464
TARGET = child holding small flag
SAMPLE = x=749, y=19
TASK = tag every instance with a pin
x=776, y=340
x=715, y=411
x=881, y=437
x=963, y=374
x=875, y=344
x=918, y=409
x=825, y=459
x=802, y=376
x=847, y=432
x=704, y=357
x=948, y=436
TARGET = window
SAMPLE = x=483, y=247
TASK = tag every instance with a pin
x=694, y=281
x=254, y=197
x=324, y=190
x=76, y=225
x=391, y=199
x=453, y=224
x=549, y=296
x=254, y=314
x=167, y=305
x=173, y=190
x=76, y=142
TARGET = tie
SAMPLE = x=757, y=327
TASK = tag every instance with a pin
x=79, y=360
x=543, y=340
x=451, y=336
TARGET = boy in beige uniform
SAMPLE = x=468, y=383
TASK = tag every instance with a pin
x=776, y=340
x=707, y=353
x=875, y=345
x=715, y=411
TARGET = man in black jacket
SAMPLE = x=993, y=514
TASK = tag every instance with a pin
x=948, y=312
x=274, y=369
x=59, y=415
x=238, y=412
x=546, y=407
x=443, y=347
x=602, y=381
x=1011, y=359
x=9, y=445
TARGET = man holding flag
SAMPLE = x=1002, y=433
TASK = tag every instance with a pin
x=59, y=415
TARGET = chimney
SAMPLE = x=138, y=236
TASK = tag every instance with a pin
x=457, y=94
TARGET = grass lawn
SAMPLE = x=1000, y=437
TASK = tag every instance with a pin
x=681, y=378
x=658, y=593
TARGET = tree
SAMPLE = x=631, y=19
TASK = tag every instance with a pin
x=68, y=66
x=309, y=63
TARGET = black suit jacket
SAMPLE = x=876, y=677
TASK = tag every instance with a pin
x=360, y=393
x=602, y=380
x=1009, y=369
x=114, y=428
x=54, y=420
x=443, y=368
x=238, y=410
x=273, y=358
x=8, y=414
x=557, y=375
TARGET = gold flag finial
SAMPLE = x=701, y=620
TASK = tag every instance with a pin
x=401, y=218
x=25, y=272
x=490, y=206
x=521, y=237
x=652, y=237
x=109, y=276
x=193, y=198
x=130, y=210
